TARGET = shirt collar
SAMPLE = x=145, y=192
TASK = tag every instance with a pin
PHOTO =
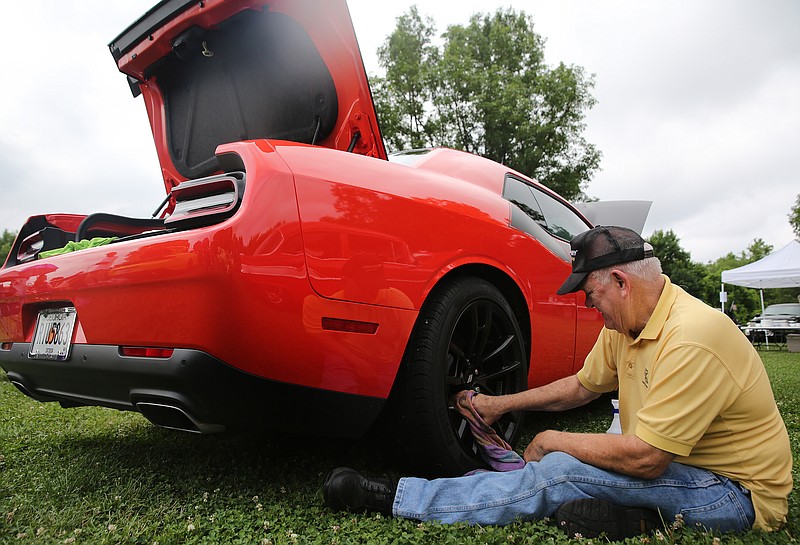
x=660, y=314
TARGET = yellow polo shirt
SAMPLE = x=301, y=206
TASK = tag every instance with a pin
x=693, y=385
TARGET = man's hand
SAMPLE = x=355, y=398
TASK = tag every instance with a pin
x=487, y=408
x=537, y=448
x=481, y=403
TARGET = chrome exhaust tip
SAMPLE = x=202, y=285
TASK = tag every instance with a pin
x=175, y=418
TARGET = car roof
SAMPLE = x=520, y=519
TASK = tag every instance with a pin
x=783, y=308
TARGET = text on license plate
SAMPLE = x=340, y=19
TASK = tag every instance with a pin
x=52, y=338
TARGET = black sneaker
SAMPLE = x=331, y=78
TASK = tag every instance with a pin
x=346, y=489
x=592, y=517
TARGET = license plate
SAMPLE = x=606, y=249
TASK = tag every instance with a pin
x=52, y=339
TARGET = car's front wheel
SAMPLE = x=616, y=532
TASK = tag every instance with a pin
x=466, y=337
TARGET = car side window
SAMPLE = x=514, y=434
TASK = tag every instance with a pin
x=520, y=194
x=551, y=214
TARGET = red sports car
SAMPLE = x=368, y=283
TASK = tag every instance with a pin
x=295, y=277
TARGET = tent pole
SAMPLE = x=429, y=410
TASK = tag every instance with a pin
x=766, y=338
x=721, y=302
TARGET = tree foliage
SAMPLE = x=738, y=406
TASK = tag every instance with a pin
x=6, y=240
x=487, y=90
x=677, y=263
x=747, y=300
x=794, y=217
x=402, y=94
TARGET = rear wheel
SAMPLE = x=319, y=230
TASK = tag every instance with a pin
x=466, y=337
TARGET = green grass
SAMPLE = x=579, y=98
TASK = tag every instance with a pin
x=92, y=475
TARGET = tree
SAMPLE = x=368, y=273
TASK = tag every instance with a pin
x=747, y=300
x=402, y=94
x=677, y=263
x=794, y=217
x=6, y=240
x=488, y=91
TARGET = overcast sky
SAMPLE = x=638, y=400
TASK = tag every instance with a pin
x=699, y=108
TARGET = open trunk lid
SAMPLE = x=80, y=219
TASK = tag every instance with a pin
x=222, y=71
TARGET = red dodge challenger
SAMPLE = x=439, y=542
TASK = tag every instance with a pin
x=295, y=277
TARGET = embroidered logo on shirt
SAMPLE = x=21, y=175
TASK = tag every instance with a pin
x=646, y=380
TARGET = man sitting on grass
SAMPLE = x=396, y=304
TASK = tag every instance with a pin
x=702, y=436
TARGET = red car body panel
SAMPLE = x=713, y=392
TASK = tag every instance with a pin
x=406, y=211
x=303, y=295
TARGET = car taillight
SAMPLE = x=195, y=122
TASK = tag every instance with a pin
x=206, y=200
x=30, y=248
x=145, y=352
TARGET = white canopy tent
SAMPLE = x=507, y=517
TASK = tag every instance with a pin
x=780, y=269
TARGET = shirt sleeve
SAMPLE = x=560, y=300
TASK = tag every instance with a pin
x=689, y=389
x=599, y=371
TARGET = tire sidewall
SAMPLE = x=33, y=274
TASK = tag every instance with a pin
x=427, y=368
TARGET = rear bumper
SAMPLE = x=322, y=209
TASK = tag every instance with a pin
x=190, y=390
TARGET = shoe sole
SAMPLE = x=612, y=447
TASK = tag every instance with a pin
x=591, y=518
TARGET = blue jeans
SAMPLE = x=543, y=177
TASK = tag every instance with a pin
x=537, y=490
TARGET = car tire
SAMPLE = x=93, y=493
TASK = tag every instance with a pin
x=466, y=337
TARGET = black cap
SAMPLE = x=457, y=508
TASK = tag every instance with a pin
x=602, y=247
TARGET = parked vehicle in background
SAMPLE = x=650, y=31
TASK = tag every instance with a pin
x=777, y=321
x=295, y=276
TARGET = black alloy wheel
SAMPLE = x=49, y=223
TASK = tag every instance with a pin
x=466, y=337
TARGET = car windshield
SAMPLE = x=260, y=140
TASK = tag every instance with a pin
x=792, y=309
